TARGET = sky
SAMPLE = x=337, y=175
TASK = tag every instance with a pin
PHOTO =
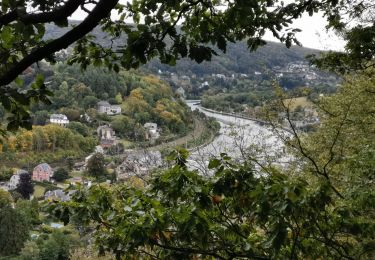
x=314, y=34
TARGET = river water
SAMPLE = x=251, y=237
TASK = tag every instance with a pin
x=240, y=139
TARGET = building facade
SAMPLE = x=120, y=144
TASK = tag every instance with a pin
x=104, y=107
x=59, y=119
x=42, y=172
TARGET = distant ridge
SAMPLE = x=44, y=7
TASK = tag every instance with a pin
x=237, y=59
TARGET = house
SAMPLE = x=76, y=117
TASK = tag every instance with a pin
x=59, y=119
x=104, y=107
x=204, y=85
x=106, y=135
x=42, y=172
x=152, y=131
x=139, y=163
x=15, y=179
x=58, y=195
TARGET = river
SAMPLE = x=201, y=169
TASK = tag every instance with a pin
x=240, y=139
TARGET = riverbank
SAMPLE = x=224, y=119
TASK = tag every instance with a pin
x=203, y=133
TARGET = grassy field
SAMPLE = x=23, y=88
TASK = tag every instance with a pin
x=39, y=191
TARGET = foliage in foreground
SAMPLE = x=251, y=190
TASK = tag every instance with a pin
x=319, y=209
x=234, y=214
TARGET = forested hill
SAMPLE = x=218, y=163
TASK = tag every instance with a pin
x=238, y=58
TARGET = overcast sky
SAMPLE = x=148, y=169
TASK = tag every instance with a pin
x=313, y=35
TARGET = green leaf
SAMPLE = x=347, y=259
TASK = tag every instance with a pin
x=7, y=36
x=19, y=81
x=214, y=163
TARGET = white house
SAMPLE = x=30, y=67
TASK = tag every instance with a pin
x=15, y=179
x=59, y=119
x=105, y=108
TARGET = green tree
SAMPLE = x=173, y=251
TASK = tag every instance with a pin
x=25, y=186
x=72, y=114
x=118, y=98
x=89, y=102
x=58, y=244
x=61, y=174
x=96, y=166
x=79, y=128
x=29, y=209
x=40, y=117
x=5, y=199
x=5, y=173
x=14, y=231
x=182, y=214
x=30, y=251
x=70, y=163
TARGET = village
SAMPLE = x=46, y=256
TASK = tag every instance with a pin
x=134, y=163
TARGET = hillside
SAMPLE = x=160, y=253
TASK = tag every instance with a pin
x=237, y=59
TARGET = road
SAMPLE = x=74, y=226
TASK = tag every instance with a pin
x=239, y=138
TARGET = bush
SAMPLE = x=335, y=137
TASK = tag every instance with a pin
x=5, y=174
x=60, y=175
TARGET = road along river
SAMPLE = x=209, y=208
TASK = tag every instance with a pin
x=239, y=138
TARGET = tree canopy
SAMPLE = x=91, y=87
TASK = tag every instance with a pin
x=169, y=30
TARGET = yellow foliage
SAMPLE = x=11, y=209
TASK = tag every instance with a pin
x=152, y=80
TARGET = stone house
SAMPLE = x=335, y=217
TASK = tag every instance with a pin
x=106, y=136
x=104, y=107
x=58, y=195
x=42, y=172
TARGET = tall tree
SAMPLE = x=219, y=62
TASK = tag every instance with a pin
x=14, y=231
x=95, y=166
x=25, y=186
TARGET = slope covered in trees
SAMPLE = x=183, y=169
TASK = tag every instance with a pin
x=237, y=59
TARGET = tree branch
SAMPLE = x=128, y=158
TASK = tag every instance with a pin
x=60, y=13
x=101, y=10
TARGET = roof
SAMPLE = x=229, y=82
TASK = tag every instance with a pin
x=20, y=171
x=103, y=103
x=44, y=166
x=58, y=116
x=150, y=125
